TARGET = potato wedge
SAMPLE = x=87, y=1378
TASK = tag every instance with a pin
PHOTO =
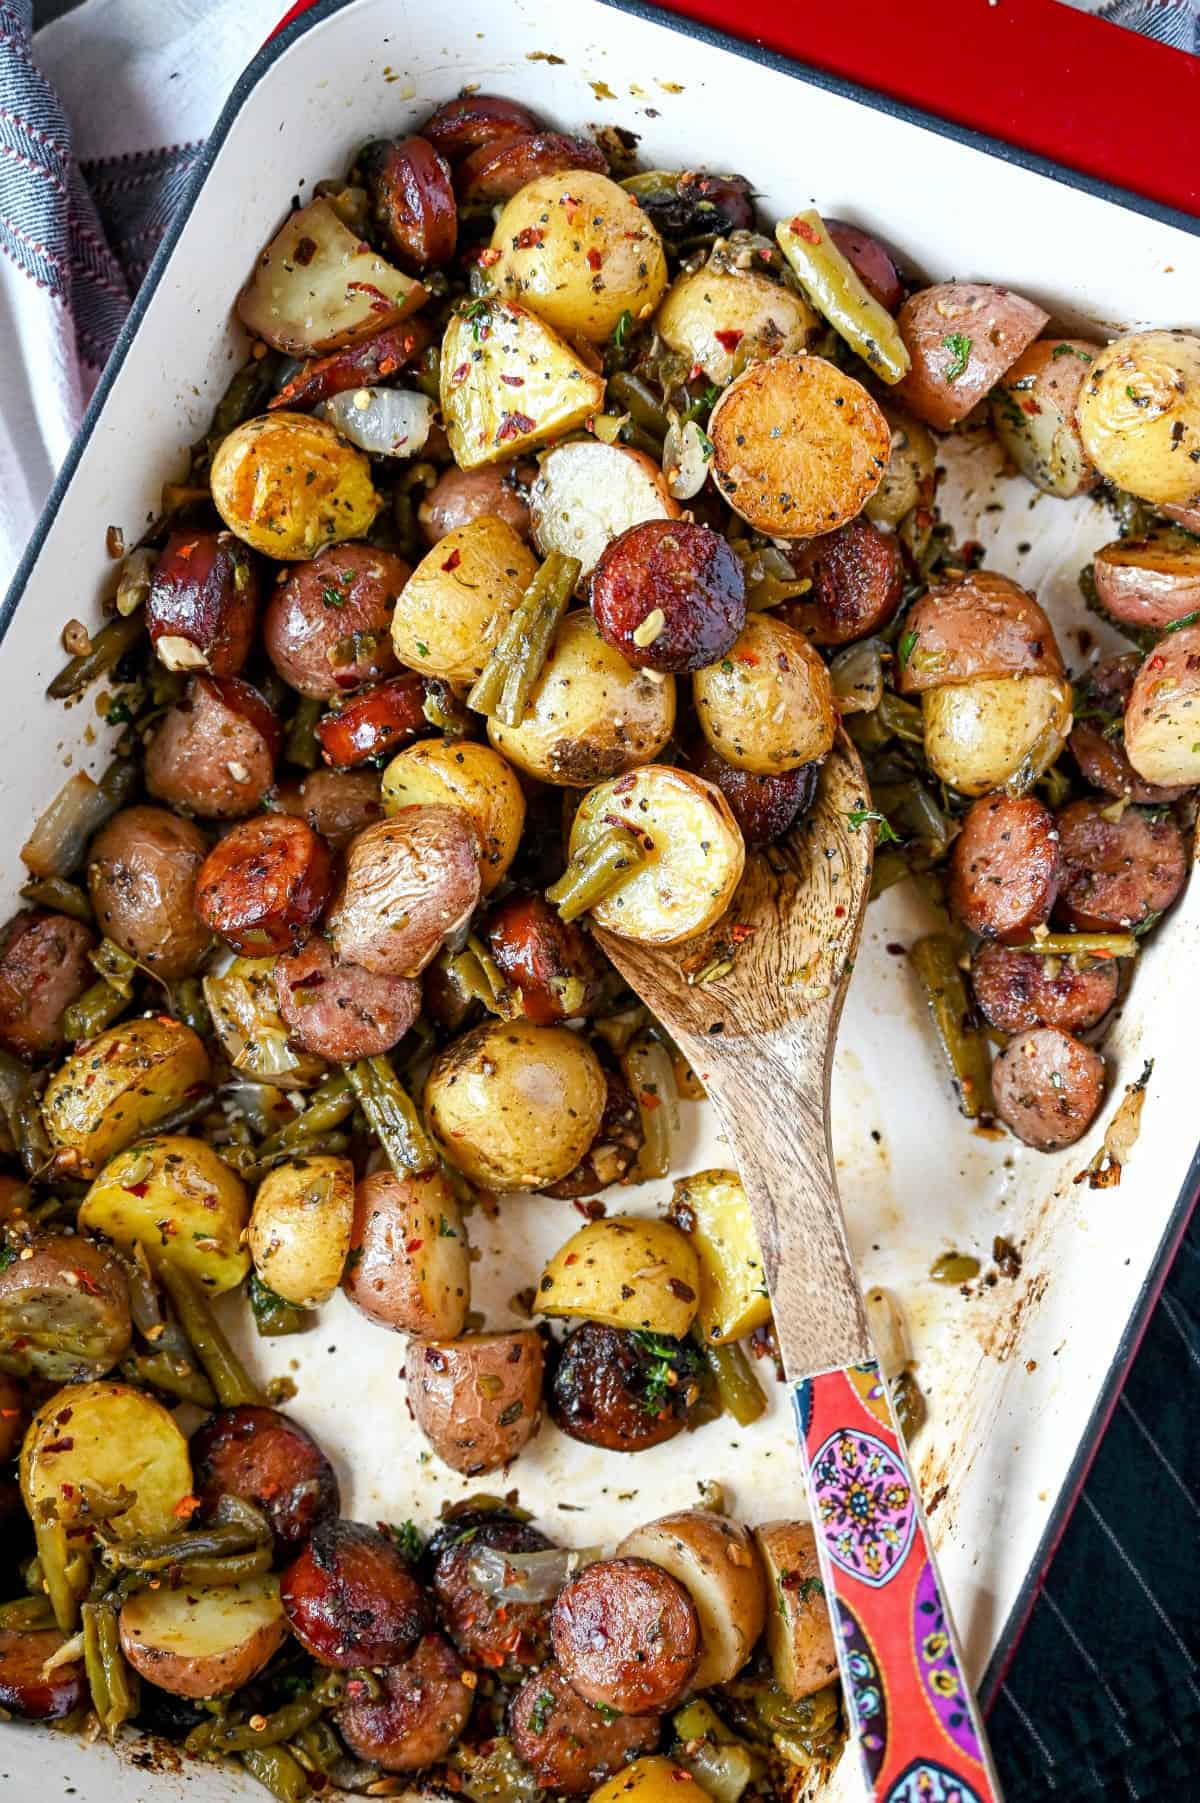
x=798, y=446
x=457, y=601
x=711, y=1208
x=1149, y=583
x=980, y=735
x=300, y=1228
x=625, y=1271
x=182, y=1202
x=654, y=1779
x=548, y=391
x=317, y=286
x=962, y=337
x=473, y=778
x=718, y=1564
x=693, y=846
x=1139, y=415
x=718, y=318
x=409, y=1266
x=107, y=1435
x=1162, y=719
x=587, y=493
x=288, y=485
x=799, y=1631
x=119, y=1085
x=243, y=1005
x=767, y=705
x=1034, y=415
x=478, y=1399
x=198, y=1642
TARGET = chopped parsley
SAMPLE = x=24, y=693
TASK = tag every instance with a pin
x=445, y=1231
x=546, y=1701
x=1071, y=350
x=423, y=649
x=406, y=1538
x=7, y=1257
x=959, y=346
x=857, y=818
x=1182, y=621
x=620, y=333
x=661, y=1378
x=605, y=1713
x=332, y=597
x=907, y=645
x=810, y=1587
x=118, y=713
x=706, y=444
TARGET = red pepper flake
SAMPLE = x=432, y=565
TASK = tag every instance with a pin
x=186, y=550
x=694, y=373
x=512, y=426
x=728, y=341
x=572, y=1258
x=305, y=251
x=388, y=365
x=648, y=1100
x=379, y=300
x=594, y=259
x=488, y=256
x=1030, y=406
x=747, y=657
x=136, y=1189
x=739, y=934
x=528, y=236
x=458, y=374
x=804, y=230
x=453, y=561
x=86, y=1281
x=413, y=1245
x=513, y=381
x=839, y=911
x=1157, y=662
x=63, y=1445
x=187, y=1505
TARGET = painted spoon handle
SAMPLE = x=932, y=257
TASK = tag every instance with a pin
x=918, y=1729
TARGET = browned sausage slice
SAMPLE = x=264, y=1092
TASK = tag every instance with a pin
x=341, y=1011
x=264, y=884
x=763, y=806
x=1015, y=990
x=327, y=629
x=1004, y=869
x=423, y=1708
x=338, y=804
x=1047, y=1087
x=613, y=1152
x=612, y=1389
x=260, y=1455
x=214, y=752
x=362, y=365
x=568, y=1746
x=200, y=612
x=669, y=595
x=499, y=170
x=43, y=969
x=13, y=1418
x=462, y=125
x=1096, y=742
x=378, y=721
x=626, y=1636
x=857, y=576
x=411, y=882
x=509, y=1638
x=64, y=1310
x=412, y=198
x=351, y=1599
x=1117, y=873
x=28, y=1693
x=142, y=872
x=871, y=260
x=548, y=961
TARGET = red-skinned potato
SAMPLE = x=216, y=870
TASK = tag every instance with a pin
x=202, y=1642
x=337, y=804
x=411, y=198
x=1102, y=696
x=414, y=1714
x=44, y=967
x=203, y=601
x=350, y=1598
x=961, y=337
x=459, y=496
x=363, y=365
x=374, y=723
x=64, y=1310
x=267, y=1459
x=288, y=485
x=768, y=705
x=973, y=628
x=799, y=1632
x=498, y=170
x=214, y=752
x=588, y=493
x=1034, y=415
x=1139, y=415
x=477, y=1399
x=871, y=261
x=411, y=882
x=669, y=595
x=1161, y=738
x=408, y=1266
x=27, y=1690
x=857, y=576
x=264, y=884
x=142, y=870
x=327, y=629
x=1149, y=583
x=549, y=962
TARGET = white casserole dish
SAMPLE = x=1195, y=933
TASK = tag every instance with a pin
x=1020, y=1376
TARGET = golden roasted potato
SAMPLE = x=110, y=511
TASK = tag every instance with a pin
x=587, y=493
x=457, y=601
x=477, y=1399
x=979, y=735
x=590, y=714
x=578, y=251
x=1139, y=415
x=693, y=850
x=509, y=382
x=1034, y=415
x=300, y=1227
x=515, y=1106
x=181, y=1201
x=767, y=705
x=119, y=1085
x=720, y=319
x=653, y=1779
x=1162, y=718
x=799, y=1631
x=911, y=475
x=717, y=1562
x=317, y=286
x=409, y=1266
x=106, y=1435
x=625, y=1272
x=799, y=447
x=711, y=1208
x=474, y=779
x=244, y=1007
x=198, y=1642
x=288, y=485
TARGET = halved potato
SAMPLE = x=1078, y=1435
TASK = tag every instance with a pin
x=980, y=735
x=587, y=493
x=694, y=853
x=799, y=447
x=767, y=705
x=509, y=382
x=1149, y=583
x=198, y=1642
x=300, y=1228
x=717, y=1562
x=625, y=1272
x=799, y=1631
x=1162, y=718
x=961, y=336
x=711, y=1208
x=977, y=625
x=716, y=318
x=288, y=485
x=1034, y=415
x=654, y=1779
x=409, y=1266
x=104, y=1436
x=317, y=286
x=468, y=776
x=457, y=601
x=243, y=1005
x=119, y=1085
x=1139, y=415
x=477, y=1399
x=181, y=1201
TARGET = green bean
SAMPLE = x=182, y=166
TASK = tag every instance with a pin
x=251, y=386
x=631, y=434
x=1084, y=945
x=57, y=893
x=93, y=1663
x=426, y=372
x=213, y=1574
x=51, y=1540
x=272, y=1315
x=240, y=1737
x=914, y=813
x=739, y=1390
x=321, y=1145
x=97, y=1008
x=935, y=960
x=600, y=868
x=890, y=867
x=651, y=1079
x=392, y=1116
x=300, y=746
x=222, y=1366
x=25, y=1614
x=117, y=967
x=173, y=1377
x=835, y=289
x=186, y=1115
x=317, y=1747
x=507, y=679
x=159, y=1552
x=107, y=648
x=282, y=1774
x=641, y=403
x=30, y=1132
x=475, y=975
x=113, y=1686
x=330, y=1104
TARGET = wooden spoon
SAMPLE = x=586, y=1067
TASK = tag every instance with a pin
x=760, y=1035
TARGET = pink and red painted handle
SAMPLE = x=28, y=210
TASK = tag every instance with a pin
x=918, y=1731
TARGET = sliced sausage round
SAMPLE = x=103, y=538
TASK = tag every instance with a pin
x=43, y=969
x=1047, y=1087
x=265, y=1458
x=623, y=1390
x=350, y=1598
x=375, y=723
x=550, y=963
x=871, y=260
x=1117, y=873
x=498, y=170
x=857, y=576
x=26, y=1689
x=142, y=871
x=509, y=1638
x=363, y=365
x=64, y=1310
x=422, y=1710
x=460, y=496
x=462, y=125
x=669, y=596
x=412, y=199
x=411, y=882
x=338, y=804
x=1015, y=990
x=264, y=884
x=614, y=1150
x=763, y=806
x=626, y=1635
x=203, y=602
x=1004, y=868
x=327, y=629
x=214, y=752
x=341, y=1011
x=568, y=1746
